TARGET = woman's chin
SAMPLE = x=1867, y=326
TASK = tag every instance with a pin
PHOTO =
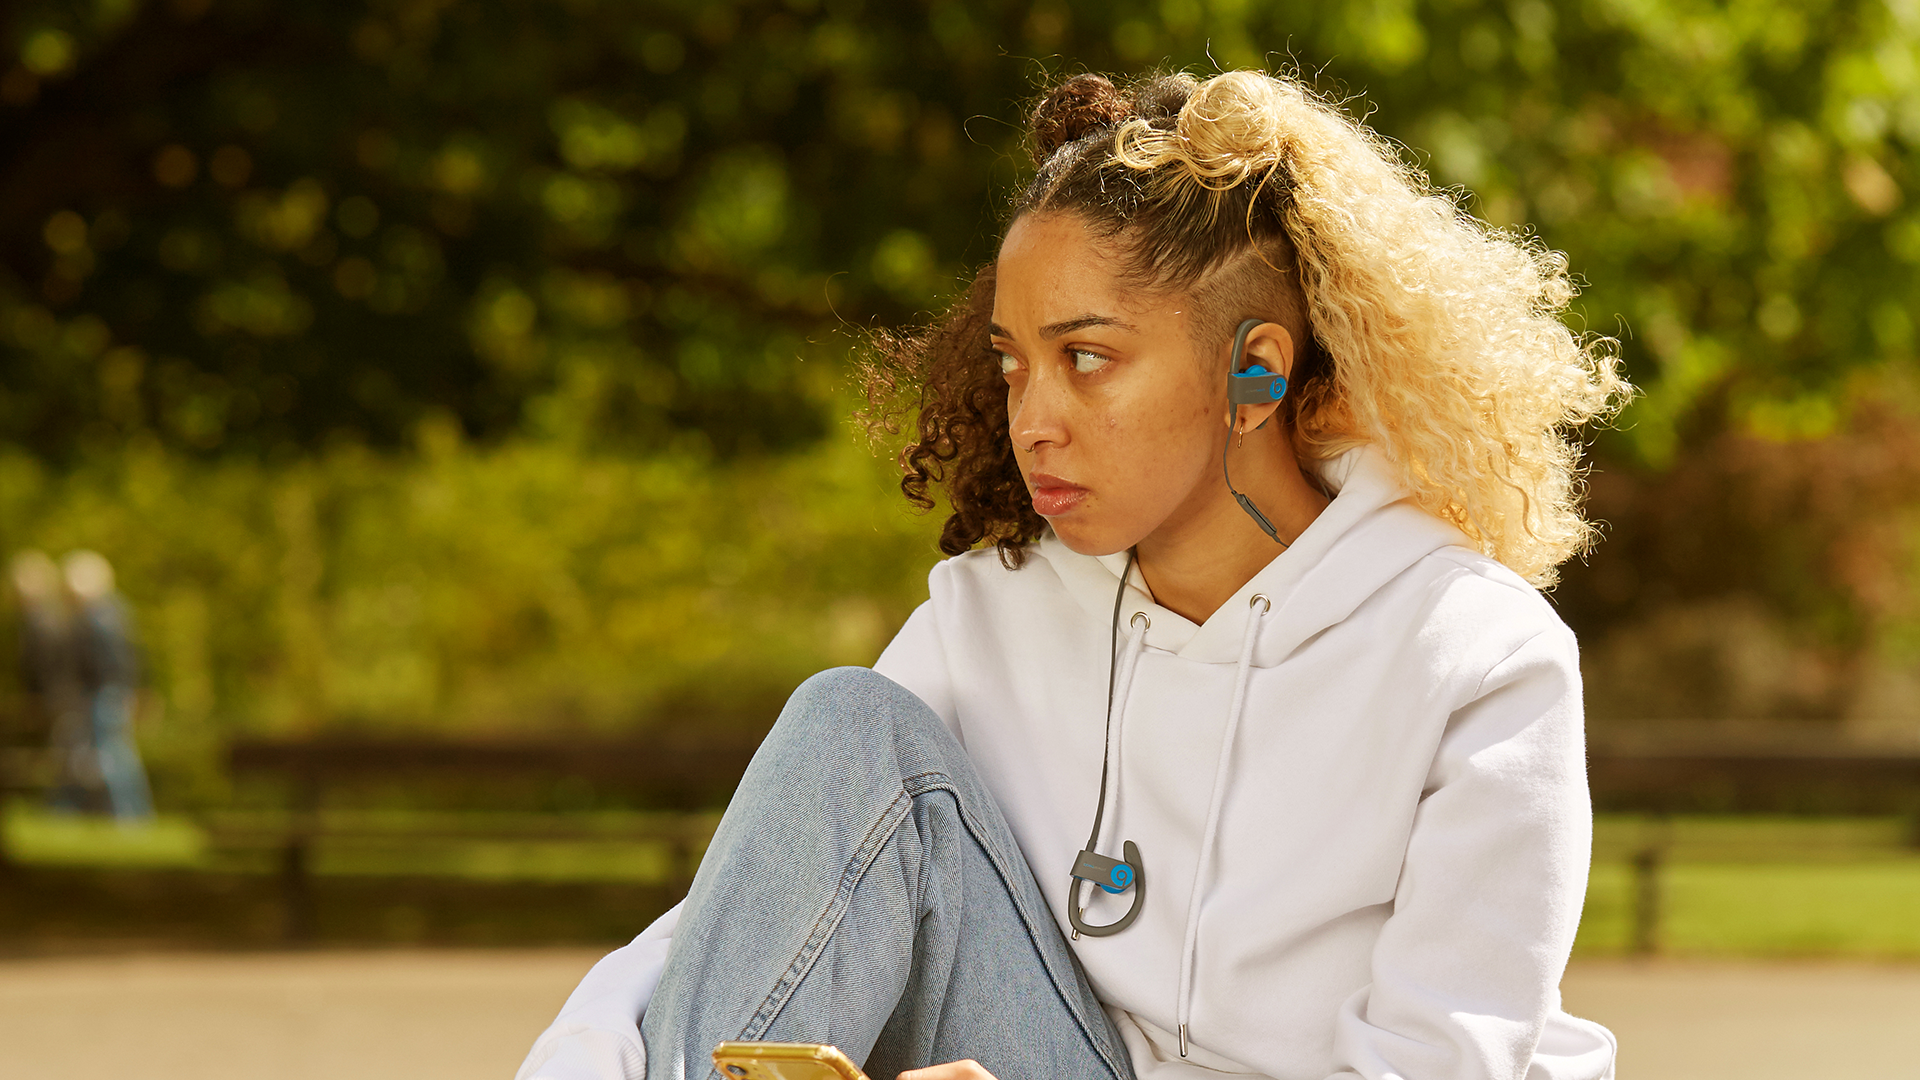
x=1086, y=538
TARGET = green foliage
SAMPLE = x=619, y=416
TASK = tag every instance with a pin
x=257, y=227
x=471, y=362
x=238, y=224
x=474, y=589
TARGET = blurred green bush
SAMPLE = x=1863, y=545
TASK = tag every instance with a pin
x=527, y=585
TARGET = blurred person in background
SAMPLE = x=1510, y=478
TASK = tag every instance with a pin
x=109, y=668
x=50, y=671
x=1316, y=701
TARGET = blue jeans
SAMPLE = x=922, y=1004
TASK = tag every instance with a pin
x=120, y=768
x=863, y=890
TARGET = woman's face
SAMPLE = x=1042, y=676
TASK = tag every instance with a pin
x=1116, y=423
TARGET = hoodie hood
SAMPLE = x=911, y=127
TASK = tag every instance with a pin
x=1373, y=524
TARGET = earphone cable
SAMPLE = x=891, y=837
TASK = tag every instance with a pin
x=1246, y=503
x=1106, y=739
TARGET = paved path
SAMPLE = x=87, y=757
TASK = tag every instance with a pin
x=1693, y=1020
x=467, y=1015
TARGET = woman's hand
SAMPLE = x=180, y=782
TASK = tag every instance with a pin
x=952, y=1070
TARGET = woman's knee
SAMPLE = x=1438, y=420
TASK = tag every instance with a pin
x=851, y=706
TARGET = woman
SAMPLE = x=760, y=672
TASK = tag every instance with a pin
x=1271, y=441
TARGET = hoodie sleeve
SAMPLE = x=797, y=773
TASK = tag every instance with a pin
x=597, y=1034
x=1466, y=972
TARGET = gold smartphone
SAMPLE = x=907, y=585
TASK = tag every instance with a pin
x=784, y=1061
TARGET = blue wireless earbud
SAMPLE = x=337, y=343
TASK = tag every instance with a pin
x=1256, y=385
x=1111, y=875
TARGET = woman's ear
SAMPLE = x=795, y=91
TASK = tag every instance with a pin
x=1270, y=346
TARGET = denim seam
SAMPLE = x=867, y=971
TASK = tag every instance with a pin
x=881, y=831
x=1026, y=917
x=883, y=828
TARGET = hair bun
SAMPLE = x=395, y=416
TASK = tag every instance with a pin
x=1073, y=110
x=1159, y=101
x=1235, y=120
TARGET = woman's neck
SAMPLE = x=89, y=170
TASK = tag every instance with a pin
x=1206, y=550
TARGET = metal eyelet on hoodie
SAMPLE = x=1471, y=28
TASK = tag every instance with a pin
x=1184, y=1009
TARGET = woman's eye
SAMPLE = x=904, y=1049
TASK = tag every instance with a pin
x=1008, y=365
x=1086, y=363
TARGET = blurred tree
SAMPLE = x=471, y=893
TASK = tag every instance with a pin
x=245, y=225
x=240, y=230
x=240, y=224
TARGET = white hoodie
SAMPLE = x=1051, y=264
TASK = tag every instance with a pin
x=1358, y=792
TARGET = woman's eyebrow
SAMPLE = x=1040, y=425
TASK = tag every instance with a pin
x=1068, y=326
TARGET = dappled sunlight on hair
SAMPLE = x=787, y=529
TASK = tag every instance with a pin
x=1425, y=333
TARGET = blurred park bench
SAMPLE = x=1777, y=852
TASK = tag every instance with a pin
x=1681, y=769
x=303, y=813
x=1718, y=768
x=1727, y=768
x=681, y=780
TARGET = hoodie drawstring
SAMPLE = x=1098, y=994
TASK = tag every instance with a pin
x=1184, y=1010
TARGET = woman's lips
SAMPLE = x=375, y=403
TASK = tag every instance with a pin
x=1053, y=496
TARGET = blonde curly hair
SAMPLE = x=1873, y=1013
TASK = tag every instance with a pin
x=1427, y=334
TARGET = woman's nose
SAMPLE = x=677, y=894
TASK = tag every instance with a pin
x=1040, y=415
